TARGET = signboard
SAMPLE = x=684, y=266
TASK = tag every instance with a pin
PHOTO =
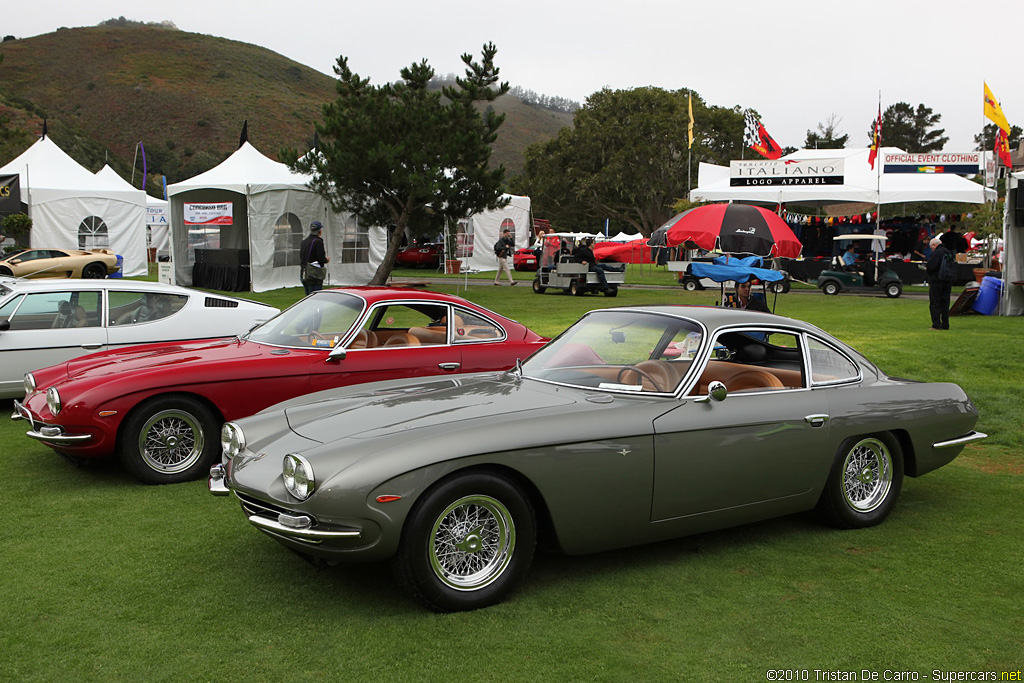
x=208, y=214
x=966, y=163
x=786, y=172
x=10, y=194
x=156, y=217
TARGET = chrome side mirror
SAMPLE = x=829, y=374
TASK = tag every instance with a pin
x=716, y=392
x=337, y=353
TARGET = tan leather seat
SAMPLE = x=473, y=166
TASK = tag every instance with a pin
x=430, y=335
x=365, y=339
x=753, y=379
x=402, y=339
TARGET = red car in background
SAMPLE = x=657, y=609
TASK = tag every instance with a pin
x=420, y=256
x=525, y=259
x=159, y=407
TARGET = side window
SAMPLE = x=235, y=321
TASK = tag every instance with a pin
x=828, y=366
x=8, y=308
x=469, y=327
x=408, y=325
x=754, y=361
x=53, y=310
x=133, y=308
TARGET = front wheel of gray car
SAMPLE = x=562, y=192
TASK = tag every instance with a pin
x=467, y=543
x=169, y=439
x=864, y=483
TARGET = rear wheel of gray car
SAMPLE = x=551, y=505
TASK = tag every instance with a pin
x=466, y=543
x=169, y=439
x=94, y=271
x=864, y=483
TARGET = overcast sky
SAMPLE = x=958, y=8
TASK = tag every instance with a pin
x=796, y=61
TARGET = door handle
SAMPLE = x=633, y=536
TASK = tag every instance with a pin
x=92, y=347
x=449, y=366
x=816, y=420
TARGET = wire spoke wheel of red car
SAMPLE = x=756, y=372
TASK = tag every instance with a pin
x=467, y=542
x=169, y=440
x=865, y=481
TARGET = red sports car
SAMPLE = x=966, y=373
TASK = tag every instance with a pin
x=420, y=256
x=524, y=259
x=159, y=407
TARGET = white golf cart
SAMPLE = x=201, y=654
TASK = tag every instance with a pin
x=559, y=270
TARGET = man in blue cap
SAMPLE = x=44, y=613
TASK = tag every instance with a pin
x=313, y=259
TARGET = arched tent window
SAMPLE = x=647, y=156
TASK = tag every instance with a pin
x=287, y=239
x=92, y=234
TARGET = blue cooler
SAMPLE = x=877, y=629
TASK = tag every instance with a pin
x=988, y=298
x=120, y=267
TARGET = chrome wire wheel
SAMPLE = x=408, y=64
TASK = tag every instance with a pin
x=867, y=475
x=472, y=542
x=171, y=441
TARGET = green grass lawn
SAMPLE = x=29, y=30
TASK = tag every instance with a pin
x=102, y=578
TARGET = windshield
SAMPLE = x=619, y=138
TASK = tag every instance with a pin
x=7, y=257
x=321, y=320
x=620, y=350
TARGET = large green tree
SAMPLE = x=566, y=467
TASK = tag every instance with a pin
x=827, y=136
x=405, y=156
x=912, y=130
x=625, y=158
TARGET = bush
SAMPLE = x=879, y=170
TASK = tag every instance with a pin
x=16, y=224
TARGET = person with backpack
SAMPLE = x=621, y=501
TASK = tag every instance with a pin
x=941, y=269
x=504, y=248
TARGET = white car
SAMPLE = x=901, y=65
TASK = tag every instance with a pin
x=45, y=322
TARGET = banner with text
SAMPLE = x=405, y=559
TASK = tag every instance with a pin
x=208, y=214
x=966, y=163
x=10, y=194
x=786, y=172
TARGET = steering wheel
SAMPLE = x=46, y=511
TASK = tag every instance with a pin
x=643, y=374
x=313, y=336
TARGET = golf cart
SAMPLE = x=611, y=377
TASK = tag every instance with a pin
x=559, y=270
x=877, y=277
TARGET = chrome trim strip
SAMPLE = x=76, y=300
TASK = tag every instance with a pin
x=960, y=441
x=59, y=439
x=312, y=535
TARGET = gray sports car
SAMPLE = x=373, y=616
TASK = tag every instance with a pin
x=634, y=425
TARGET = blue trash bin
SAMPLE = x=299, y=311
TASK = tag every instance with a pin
x=988, y=297
x=120, y=267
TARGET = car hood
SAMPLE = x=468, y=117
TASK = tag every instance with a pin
x=165, y=355
x=388, y=409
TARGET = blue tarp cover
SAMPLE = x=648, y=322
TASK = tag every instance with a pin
x=725, y=268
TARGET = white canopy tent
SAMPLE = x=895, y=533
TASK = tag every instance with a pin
x=861, y=184
x=1012, y=297
x=158, y=225
x=480, y=231
x=271, y=209
x=72, y=208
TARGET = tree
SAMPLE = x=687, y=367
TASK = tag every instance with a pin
x=406, y=156
x=625, y=157
x=828, y=135
x=985, y=141
x=909, y=129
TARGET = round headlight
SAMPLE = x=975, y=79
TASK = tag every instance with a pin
x=30, y=383
x=298, y=476
x=232, y=440
x=53, y=400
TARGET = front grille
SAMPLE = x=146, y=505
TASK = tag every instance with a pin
x=254, y=506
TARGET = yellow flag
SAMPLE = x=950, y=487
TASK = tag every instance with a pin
x=994, y=112
x=690, y=128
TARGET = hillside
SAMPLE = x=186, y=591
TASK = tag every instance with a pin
x=185, y=96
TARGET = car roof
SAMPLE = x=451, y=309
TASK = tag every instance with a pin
x=114, y=284
x=718, y=316
x=373, y=294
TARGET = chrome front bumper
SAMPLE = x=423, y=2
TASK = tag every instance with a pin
x=52, y=435
x=961, y=441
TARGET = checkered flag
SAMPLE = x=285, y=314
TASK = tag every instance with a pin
x=751, y=134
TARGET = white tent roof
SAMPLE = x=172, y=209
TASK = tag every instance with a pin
x=112, y=177
x=861, y=184
x=246, y=171
x=48, y=173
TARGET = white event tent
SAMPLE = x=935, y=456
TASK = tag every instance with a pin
x=271, y=209
x=73, y=208
x=156, y=212
x=1012, y=295
x=485, y=228
x=861, y=184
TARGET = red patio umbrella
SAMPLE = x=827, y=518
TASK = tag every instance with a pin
x=733, y=229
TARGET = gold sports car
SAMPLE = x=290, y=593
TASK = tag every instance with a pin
x=59, y=263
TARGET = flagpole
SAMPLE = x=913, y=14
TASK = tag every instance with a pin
x=878, y=168
x=984, y=161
